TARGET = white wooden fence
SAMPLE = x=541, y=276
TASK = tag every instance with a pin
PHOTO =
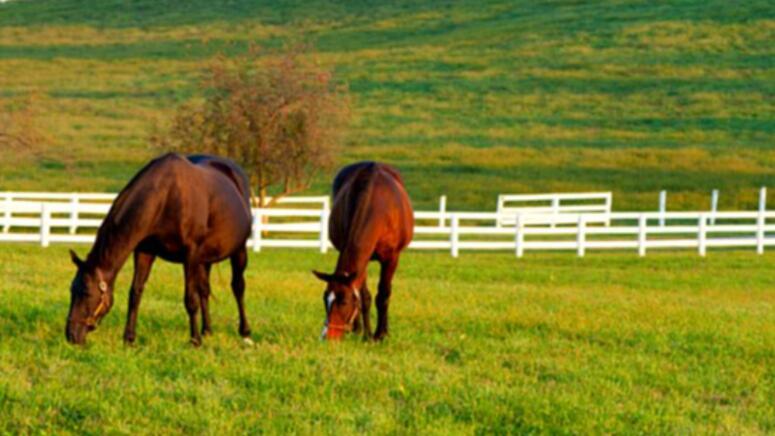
x=85, y=210
x=51, y=222
x=26, y=203
x=595, y=204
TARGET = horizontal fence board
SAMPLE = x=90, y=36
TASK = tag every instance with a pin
x=561, y=196
x=610, y=244
x=20, y=237
x=433, y=245
x=295, y=227
x=290, y=243
x=75, y=239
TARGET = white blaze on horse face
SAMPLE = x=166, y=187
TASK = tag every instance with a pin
x=330, y=300
x=357, y=294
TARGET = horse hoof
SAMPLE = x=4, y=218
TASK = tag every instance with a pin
x=248, y=342
x=196, y=342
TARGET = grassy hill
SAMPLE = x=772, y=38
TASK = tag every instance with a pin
x=468, y=98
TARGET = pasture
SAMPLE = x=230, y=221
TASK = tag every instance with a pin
x=672, y=343
x=470, y=99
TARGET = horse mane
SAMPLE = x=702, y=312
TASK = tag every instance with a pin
x=121, y=207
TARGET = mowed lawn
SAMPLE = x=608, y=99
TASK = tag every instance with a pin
x=671, y=343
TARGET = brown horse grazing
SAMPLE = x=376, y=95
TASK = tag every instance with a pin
x=193, y=211
x=371, y=219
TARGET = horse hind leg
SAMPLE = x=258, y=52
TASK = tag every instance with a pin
x=388, y=268
x=194, y=275
x=239, y=262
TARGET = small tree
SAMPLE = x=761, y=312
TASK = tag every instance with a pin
x=280, y=117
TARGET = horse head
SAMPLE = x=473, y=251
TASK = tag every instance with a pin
x=342, y=301
x=91, y=298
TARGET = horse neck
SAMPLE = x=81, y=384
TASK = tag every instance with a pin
x=355, y=256
x=353, y=261
x=116, y=240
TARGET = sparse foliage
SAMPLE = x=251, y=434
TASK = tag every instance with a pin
x=280, y=117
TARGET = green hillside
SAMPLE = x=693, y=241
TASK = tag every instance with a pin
x=469, y=98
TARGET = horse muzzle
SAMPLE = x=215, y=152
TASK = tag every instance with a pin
x=335, y=329
x=75, y=332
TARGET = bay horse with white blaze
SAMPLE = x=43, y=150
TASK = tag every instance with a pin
x=371, y=219
x=192, y=210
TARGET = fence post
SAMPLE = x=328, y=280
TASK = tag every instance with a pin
x=73, y=214
x=498, y=211
x=662, y=207
x=763, y=199
x=702, y=235
x=642, y=235
x=324, y=231
x=257, y=221
x=327, y=203
x=442, y=210
x=608, y=207
x=7, y=215
x=555, y=210
x=454, y=237
x=581, y=236
x=760, y=221
x=713, y=206
x=45, y=224
x=519, y=235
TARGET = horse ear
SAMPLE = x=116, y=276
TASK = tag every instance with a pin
x=76, y=260
x=323, y=276
x=346, y=278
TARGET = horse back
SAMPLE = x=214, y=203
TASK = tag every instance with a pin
x=177, y=202
x=371, y=203
x=228, y=168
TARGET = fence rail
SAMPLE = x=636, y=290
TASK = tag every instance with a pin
x=54, y=222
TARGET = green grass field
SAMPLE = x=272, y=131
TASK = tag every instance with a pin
x=468, y=98
x=672, y=344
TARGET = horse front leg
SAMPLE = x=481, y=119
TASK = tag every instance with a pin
x=357, y=321
x=143, y=263
x=204, y=297
x=194, y=274
x=388, y=268
x=366, y=311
